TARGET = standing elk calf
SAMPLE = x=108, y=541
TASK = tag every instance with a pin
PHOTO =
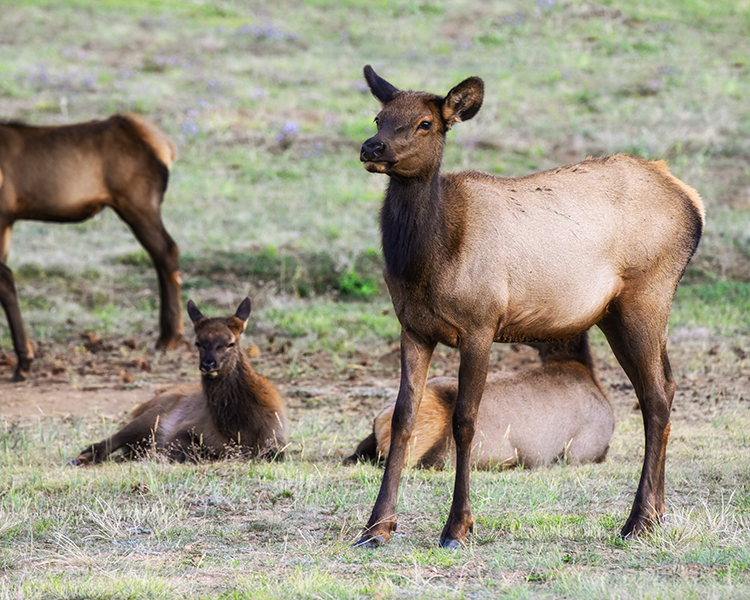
x=472, y=259
x=68, y=174
x=528, y=418
x=233, y=410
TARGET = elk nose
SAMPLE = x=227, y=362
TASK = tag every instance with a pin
x=208, y=364
x=371, y=150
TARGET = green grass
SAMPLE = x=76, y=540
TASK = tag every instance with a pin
x=283, y=530
x=721, y=306
x=267, y=106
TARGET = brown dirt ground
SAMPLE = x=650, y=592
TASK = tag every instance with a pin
x=95, y=377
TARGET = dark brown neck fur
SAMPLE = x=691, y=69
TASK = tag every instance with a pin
x=235, y=402
x=419, y=227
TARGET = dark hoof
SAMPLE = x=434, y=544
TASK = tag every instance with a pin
x=22, y=372
x=163, y=345
x=23, y=368
x=19, y=376
x=631, y=534
x=370, y=541
x=636, y=528
x=451, y=544
x=84, y=459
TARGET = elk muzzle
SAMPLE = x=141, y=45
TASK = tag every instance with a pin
x=209, y=367
x=371, y=153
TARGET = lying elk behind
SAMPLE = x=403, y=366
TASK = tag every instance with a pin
x=233, y=410
x=527, y=418
x=68, y=174
x=471, y=259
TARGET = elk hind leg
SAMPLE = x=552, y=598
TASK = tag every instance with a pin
x=148, y=228
x=367, y=450
x=638, y=340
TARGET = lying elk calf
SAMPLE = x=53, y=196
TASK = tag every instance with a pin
x=68, y=174
x=528, y=418
x=471, y=259
x=234, y=410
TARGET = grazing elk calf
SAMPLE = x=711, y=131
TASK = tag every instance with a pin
x=528, y=418
x=471, y=258
x=233, y=410
x=68, y=174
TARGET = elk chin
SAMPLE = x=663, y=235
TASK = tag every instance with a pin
x=378, y=167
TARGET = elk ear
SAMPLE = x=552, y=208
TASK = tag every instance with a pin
x=463, y=101
x=193, y=312
x=379, y=87
x=243, y=312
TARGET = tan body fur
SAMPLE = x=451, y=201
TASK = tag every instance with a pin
x=234, y=411
x=531, y=418
x=473, y=259
x=68, y=174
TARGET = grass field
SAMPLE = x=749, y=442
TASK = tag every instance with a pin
x=267, y=106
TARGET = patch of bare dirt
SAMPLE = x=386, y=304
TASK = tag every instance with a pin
x=94, y=376
x=90, y=376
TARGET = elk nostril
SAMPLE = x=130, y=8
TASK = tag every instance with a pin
x=372, y=149
x=208, y=365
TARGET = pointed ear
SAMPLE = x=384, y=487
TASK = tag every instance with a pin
x=463, y=101
x=243, y=312
x=379, y=87
x=193, y=312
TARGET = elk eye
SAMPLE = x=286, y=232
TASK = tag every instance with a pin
x=424, y=125
x=377, y=122
x=230, y=345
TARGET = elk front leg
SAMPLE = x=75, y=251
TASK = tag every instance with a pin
x=21, y=344
x=415, y=364
x=472, y=375
x=135, y=435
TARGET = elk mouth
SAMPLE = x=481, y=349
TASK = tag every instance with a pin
x=212, y=374
x=379, y=166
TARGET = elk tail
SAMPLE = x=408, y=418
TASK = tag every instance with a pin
x=154, y=137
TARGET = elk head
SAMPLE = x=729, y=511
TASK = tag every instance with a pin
x=218, y=339
x=412, y=126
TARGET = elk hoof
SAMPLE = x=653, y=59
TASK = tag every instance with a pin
x=451, y=544
x=635, y=527
x=455, y=540
x=370, y=541
x=19, y=375
x=23, y=368
x=168, y=343
x=82, y=460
